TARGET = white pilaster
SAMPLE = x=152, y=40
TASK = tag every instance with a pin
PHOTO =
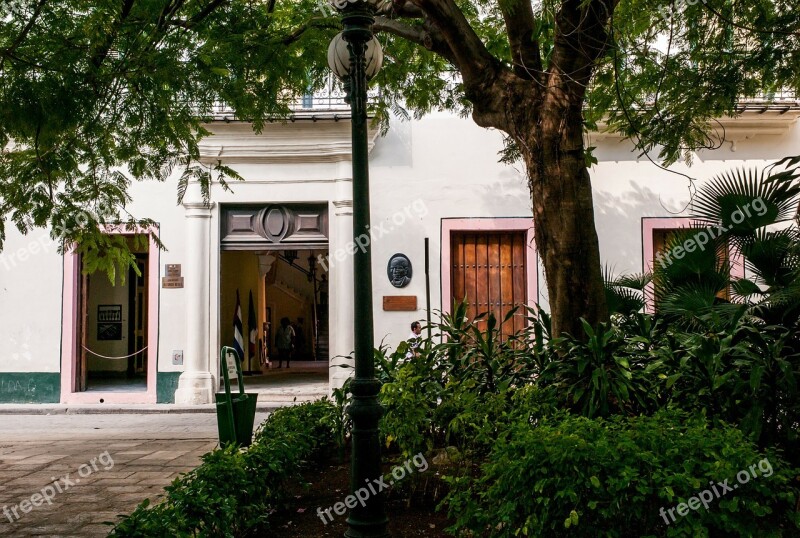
x=341, y=285
x=196, y=384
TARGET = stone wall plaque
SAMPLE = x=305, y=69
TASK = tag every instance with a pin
x=400, y=303
x=172, y=282
x=399, y=270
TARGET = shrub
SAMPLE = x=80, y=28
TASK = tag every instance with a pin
x=428, y=398
x=606, y=372
x=746, y=374
x=585, y=477
x=233, y=492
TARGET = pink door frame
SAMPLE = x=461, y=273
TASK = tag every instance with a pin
x=488, y=224
x=649, y=224
x=69, y=333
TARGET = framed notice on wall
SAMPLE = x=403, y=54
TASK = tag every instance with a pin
x=109, y=322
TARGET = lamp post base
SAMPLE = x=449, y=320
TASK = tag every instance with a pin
x=360, y=529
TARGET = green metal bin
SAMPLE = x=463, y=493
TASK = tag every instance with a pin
x=235, y=413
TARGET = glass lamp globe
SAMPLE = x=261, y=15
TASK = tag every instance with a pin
x=339, y=57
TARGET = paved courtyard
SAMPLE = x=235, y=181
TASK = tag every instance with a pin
x=64, y=475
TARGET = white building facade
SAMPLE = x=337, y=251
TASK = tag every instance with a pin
x=64, y=334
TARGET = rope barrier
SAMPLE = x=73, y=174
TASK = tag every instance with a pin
x=113, y=358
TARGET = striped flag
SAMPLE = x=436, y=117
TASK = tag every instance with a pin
x=252, y=326
x=238, y=341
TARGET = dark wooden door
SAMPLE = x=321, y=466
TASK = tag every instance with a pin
x=137, y=316
x=489, y=270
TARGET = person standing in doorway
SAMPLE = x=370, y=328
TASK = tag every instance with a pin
x=284, y=341
x=414, y=339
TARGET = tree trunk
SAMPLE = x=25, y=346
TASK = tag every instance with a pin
x=540, y=106
x=563, y=219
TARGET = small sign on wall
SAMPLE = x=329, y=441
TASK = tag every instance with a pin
x=400, y=303
x=172, y=282
x=173, y=278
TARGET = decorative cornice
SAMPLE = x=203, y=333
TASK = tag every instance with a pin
x=324, y=141
x=751, y=122
x=252, y=227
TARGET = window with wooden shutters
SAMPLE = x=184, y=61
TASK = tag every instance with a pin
x=489, y=270
x=662, y=236
x=657, y=232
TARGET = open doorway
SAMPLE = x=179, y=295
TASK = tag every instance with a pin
x=109, y=334
x=112, y=327
x=259, y=289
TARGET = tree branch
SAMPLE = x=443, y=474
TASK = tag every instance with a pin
x=581, y=39
x=469, y=53
x=487, y=82
x=424, y=36
x=8, y=52
x=205, y=12
x=405, y=9
x=314, y=22
x=197, y=18
x=524, y=48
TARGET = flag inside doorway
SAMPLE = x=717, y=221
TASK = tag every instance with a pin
x=238, y=341
x=252, y=328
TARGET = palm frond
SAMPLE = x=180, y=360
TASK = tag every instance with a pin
x=741, y=201
x=624, y=293
x=772, y=256
x=744, y=289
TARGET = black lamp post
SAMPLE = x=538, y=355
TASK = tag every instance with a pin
x=354, y=56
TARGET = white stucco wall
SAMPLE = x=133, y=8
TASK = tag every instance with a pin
x=421, y=172
x=424, y=171
x=30, y=302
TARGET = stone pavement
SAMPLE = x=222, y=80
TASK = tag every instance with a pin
x=92, y=467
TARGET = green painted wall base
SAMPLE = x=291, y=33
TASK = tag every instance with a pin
x=45, y=387
x=166, y=385
x=30, y=387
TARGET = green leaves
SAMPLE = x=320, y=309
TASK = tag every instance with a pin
x=742, y=218
x=742, y=201
x=673, y=68
x=94, y=97
x=613, y=477
x=235, y=492
x=601, y=374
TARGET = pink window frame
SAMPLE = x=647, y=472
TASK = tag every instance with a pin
x=649, y=224
x=479, y=224
x=69, y=336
